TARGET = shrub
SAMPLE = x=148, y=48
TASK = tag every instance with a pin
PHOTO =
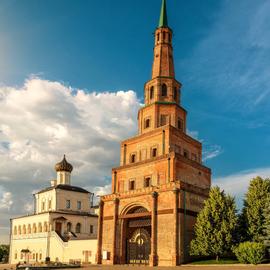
x=250, y=252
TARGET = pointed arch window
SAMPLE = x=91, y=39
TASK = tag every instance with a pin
x=164, y=90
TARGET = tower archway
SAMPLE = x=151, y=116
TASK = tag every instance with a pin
x=136, y=236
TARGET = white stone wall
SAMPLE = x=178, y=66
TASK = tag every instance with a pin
x=74, y=197
x=44, y=198
x=37, y=233
x=50, y=244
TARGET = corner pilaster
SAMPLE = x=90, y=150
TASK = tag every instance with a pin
x=100, y=227
x=153, y=260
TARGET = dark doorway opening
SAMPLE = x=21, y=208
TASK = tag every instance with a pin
x=139, y=241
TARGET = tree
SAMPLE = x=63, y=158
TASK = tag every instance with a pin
x=252, y=215
x=215, y=226
x=266, y=226
x=250, y=252
x=4, y=251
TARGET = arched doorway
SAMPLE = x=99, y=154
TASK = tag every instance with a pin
x=138, y=236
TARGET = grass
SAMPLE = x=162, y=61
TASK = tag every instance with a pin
x=213, y=261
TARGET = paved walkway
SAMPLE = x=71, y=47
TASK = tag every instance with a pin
x=185, y=267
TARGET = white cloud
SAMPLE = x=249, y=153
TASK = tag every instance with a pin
x=211, y=151
x=100, y=191
x=237, y=69
x=42, y=120
x=6, y=200
x=28, y=207
x=237, y=184
x=193, y=133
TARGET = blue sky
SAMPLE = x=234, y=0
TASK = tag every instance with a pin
x=222, y=58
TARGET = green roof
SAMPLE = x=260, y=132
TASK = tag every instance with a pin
x=163, y=20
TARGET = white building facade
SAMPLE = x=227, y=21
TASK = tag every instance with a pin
x=63, y=227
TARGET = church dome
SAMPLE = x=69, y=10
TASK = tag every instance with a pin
x=63, y=166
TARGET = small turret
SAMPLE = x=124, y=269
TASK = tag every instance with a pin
x=63, y=170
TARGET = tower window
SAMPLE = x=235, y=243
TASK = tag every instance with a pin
x=147, y=123
x=68, y=204
x=164, y=90
x=175, y=93
x=158, y=37
x=133, y=158
x=180, y=124
x=164, y=119
x=164, y=36
x=79, y=205
x=131, y=184
x=186, y=153
x=147, y=182
x=154, y=152
x=152, y=92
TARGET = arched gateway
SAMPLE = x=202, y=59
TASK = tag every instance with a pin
x=137, y=236
x=161, y=183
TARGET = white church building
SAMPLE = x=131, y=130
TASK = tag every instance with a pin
x=62, y=228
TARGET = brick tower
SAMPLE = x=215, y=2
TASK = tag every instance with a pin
x=161, y=184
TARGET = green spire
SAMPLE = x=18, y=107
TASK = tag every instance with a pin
x=163, y=20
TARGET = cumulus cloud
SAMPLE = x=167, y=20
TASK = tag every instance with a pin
x=42, y=120
x=6, y=200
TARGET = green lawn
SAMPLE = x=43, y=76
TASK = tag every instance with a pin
x=221, y=261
